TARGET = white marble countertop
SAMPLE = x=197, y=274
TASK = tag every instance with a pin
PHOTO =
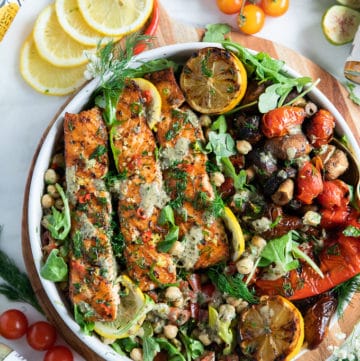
x=24, y=113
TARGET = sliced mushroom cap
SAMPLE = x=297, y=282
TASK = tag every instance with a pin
x=336, y=165
x=289, y=146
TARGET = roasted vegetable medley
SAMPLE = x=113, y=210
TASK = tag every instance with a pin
x=202, y=211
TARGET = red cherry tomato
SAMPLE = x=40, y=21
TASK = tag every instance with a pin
x=275, y=7
x=41, y=335
x=321, y=128
x=309, y=183
x=59, y=353
x=335, y=194
x=229, y=6
x=251, y=20
x=13, y=324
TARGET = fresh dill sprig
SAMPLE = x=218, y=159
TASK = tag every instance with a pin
x=17, y=286
x=345, y=291
x=111, y=64
x=232, y=285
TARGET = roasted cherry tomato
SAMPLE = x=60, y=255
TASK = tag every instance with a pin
x=275, y=7
x=279, y=121
x=334, y=194
x=309, y=183
x=252, y=19
x=321, y=128
x=229, y=6
x=58, y=353
x=13, y=324
x=335, y=217
x=41, y=335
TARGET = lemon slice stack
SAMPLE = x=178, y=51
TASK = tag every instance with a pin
x=54, y=57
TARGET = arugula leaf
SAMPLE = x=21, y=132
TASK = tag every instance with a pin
x=193, y=348
x=216, y=32
x=59, y=223
x=222, y=145
x=351, y=231
x=167, y=217
x=55, y=268
x=172, y=352
x=229, y=170
x=86, y=326
x=284, y=253
x=219, y=124
x=231, y=285
x=266, y=69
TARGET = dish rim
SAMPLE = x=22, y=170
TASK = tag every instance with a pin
x=32, y=207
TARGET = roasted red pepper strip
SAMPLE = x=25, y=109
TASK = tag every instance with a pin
x=339, y=261
x=151, y=29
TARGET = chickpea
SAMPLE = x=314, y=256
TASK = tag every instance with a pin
x=51, y=176
x=205, y=120
x=177, y=249
x=227, y=312
x=239, y=304
x=243, y=146
x=204, y=338
x=51, y=189
x=170, y=331
x=258, y=242
x=245, y=265
x=250, y=174
x=217, y=178
x=136, y=354
x=47, y=201
x=173, y=293
x=59, y=204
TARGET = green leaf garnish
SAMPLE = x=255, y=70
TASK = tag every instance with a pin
x=55, y=268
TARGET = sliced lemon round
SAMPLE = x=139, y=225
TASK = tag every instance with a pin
x=134, y=306
x=54, y=44
x=339, y=24
x=238, y=241
x=271, y=330
x=71, y=20
x=355, y=4
x=45, y=77
x=116, y=17
x=213, y=80
x=152, y=101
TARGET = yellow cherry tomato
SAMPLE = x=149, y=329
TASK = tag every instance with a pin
x=252, y=19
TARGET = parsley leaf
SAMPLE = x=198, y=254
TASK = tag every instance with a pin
x=216, y=32
x=351, y=231
x=193, y=348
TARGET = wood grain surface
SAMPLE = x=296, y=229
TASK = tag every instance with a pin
x=171, y=32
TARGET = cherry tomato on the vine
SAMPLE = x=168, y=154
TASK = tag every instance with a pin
x=13, y=324
x=252, y=19
x=58, y=353
x=229, y=6
x=275, y=7
x=41, y=335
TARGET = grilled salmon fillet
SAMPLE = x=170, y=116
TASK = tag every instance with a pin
x=186, y=180
x=141, y=196
x=92, y=265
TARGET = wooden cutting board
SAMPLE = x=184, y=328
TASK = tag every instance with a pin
x=171, y=32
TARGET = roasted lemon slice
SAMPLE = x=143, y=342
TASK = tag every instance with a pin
x=238, y=241
x=45, y=77
x=116, y=17
x=271, y=330
x=213, y=80
x=134, y=306
x=152, y=101
x=54, y=44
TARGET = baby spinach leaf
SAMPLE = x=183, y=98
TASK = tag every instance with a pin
x=55, y=268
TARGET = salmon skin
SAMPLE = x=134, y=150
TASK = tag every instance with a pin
x=186, y=179
x=141, y=195
x=92, y=267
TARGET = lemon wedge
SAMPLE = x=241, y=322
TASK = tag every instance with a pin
x=152, y=101
x=54, y=44
x=213, y=80
x=45, y=77
x=238, y=241
x=339, y=24
x=271, y=330
x=71, y=20
x=134, y=306
x=116, y=17
x=355, y=4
